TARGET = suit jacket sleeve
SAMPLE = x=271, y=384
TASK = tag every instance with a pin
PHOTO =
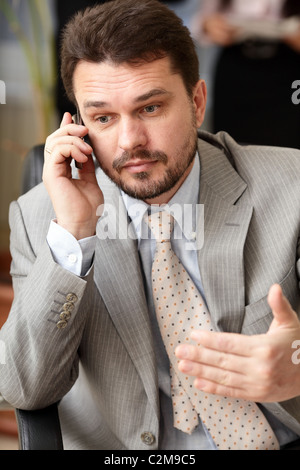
x=298, y=260
x=41, y=354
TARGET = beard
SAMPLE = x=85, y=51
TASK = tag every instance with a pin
x=142, y=185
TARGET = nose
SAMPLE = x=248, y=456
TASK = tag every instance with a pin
x=132, y=134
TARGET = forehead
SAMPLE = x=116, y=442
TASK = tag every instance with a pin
x=99, y=80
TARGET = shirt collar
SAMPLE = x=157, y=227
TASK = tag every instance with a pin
x=183, y=202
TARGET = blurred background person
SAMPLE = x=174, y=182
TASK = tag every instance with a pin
x=259, y=59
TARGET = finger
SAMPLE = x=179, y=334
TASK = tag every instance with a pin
x=210, y=373
x=67, y=119
x=233, y=385
x=219, y=389
x=228, y=383
x=284, y=316
x=191, y=356
x=61, y=136
x=63, y=152
x=70, y=129
x=57, y=141
x=232, y=343
x=213, y=374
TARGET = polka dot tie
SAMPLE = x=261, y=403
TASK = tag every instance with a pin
x=232, y=423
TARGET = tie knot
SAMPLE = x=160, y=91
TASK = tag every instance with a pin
x=161, y=225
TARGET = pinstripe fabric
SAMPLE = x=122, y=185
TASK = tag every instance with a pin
x=251, y=200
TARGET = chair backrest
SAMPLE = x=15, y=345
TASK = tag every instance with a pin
x=39, y=429
x=32, y=168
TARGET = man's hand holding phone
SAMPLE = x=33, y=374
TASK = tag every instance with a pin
x=75, y=201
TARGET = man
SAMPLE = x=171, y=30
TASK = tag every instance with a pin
x=83, y=327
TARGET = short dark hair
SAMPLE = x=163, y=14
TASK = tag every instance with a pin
x=132, y=31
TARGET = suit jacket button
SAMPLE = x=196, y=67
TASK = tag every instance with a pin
x=148, y=438
x=62, y=324
x=71, y=298
x=68, y=307
x=65, y=316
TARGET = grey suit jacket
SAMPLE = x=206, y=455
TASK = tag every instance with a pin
x=102, y=364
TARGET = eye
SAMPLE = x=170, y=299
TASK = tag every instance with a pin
x=151, y=108
x=104, y=119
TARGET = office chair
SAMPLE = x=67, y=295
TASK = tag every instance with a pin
x=32, y=168
x=38, y=429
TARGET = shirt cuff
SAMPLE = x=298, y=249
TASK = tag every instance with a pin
x=73, y=255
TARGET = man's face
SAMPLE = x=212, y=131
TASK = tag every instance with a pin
x=142, y=124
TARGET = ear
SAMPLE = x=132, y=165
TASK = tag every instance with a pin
x=199, y=101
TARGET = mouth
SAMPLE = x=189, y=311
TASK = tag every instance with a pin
x=140, y=161
x=137, y=166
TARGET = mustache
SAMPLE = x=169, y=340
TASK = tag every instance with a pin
x=156, y=155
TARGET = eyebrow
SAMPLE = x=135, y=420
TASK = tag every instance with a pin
x=151, y=93
x=138, y=99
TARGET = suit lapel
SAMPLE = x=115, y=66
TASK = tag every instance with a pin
x=119, y=280
x=227, y=215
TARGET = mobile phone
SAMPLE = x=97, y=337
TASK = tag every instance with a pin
x=77, y=119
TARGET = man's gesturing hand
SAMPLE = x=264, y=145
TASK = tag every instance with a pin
x=75, y=201
x=257, y=368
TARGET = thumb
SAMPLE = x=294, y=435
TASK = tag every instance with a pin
x=284, y=315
